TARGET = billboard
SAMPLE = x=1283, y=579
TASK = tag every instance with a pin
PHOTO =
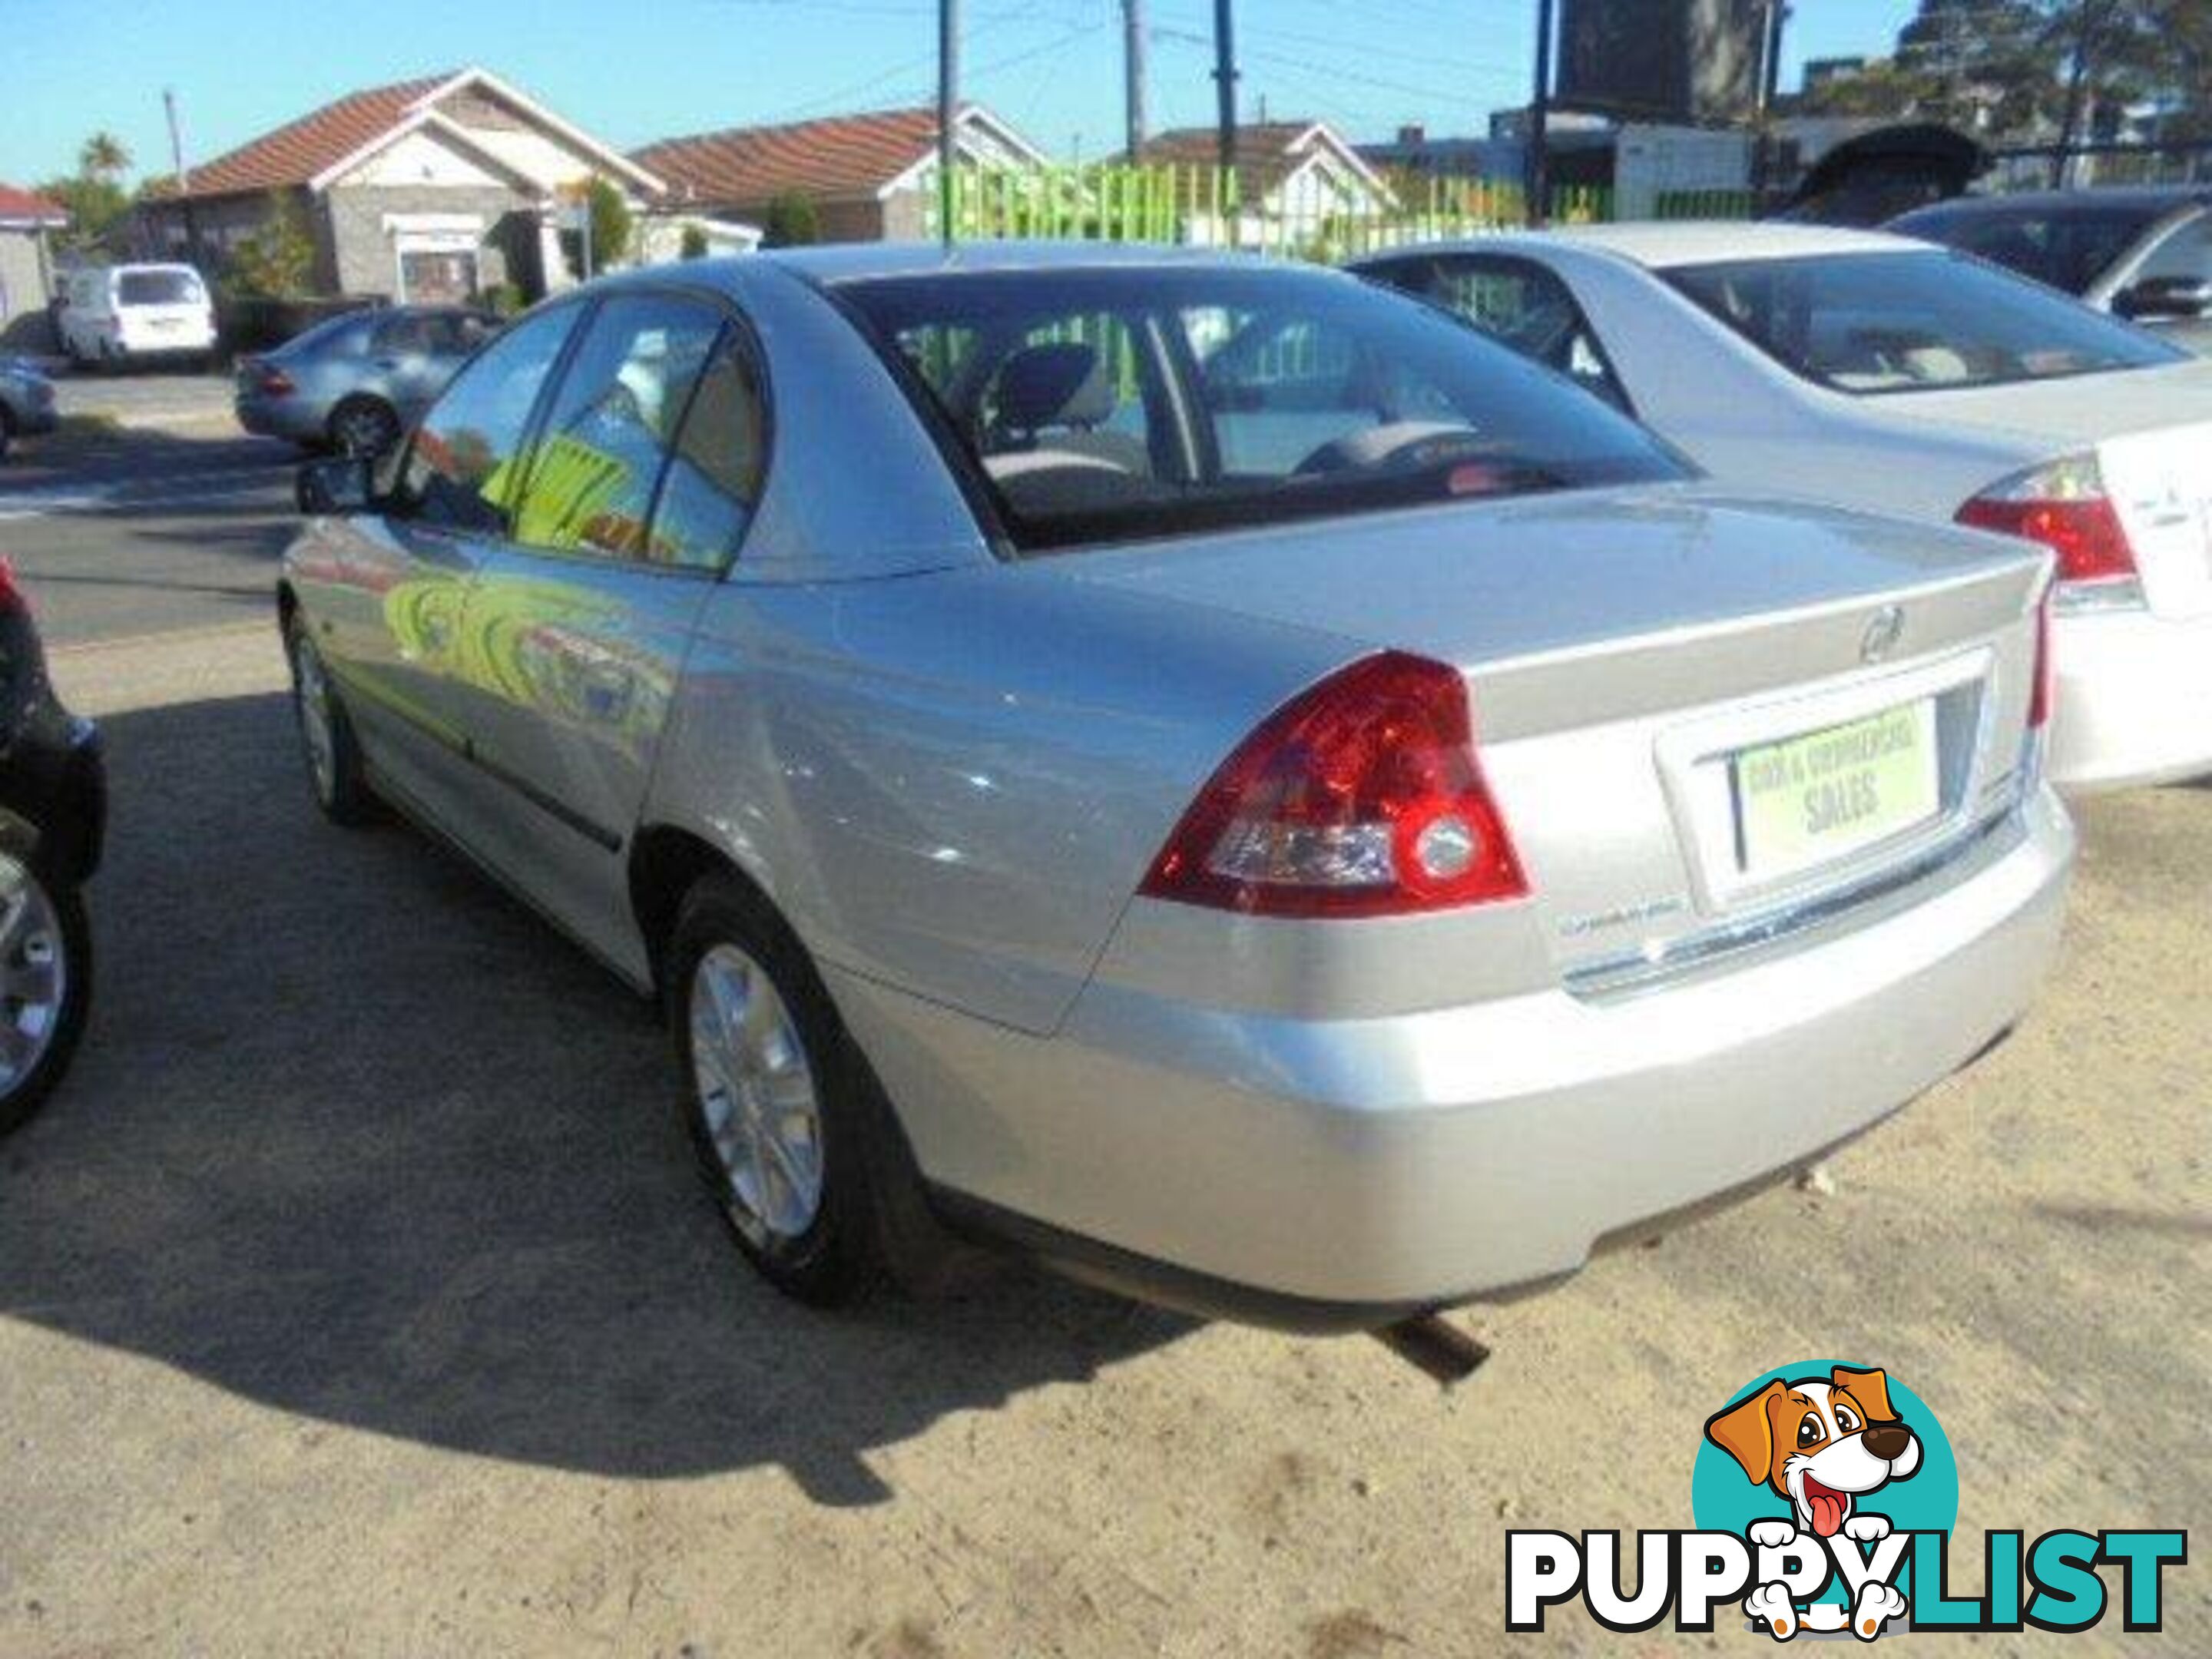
x=1662, y=60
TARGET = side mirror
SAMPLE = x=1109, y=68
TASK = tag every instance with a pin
x=338, y=485
x=2164, y=298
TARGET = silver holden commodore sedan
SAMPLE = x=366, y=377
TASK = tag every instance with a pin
x=353, y=383
x=1209, y=770
x=1874, y=372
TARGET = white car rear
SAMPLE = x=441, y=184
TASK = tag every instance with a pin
x=115, y=314
x=1874, y=371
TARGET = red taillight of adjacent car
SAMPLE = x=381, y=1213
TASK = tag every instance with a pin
x=1360, y=797
x=12, y=600
x=2064, y=507
x=275, y=382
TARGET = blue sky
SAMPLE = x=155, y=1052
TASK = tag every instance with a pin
x=631, y=73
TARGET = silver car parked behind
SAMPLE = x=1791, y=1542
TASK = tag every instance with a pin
x=354, y=383
x=1208, y=769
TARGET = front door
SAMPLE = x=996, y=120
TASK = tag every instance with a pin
x=640, y=483
x=398, y=639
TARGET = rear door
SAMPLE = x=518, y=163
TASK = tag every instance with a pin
x=640, y=486
x=396, y=637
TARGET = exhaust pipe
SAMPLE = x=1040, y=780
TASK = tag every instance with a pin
x=1435, y=1346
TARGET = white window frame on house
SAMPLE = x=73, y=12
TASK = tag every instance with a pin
x=433, y=232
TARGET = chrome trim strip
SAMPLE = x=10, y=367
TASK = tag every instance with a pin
x=1634, y=972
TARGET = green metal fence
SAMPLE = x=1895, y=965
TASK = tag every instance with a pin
x=1210, y=207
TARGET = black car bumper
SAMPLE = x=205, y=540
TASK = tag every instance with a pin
x=53, y=795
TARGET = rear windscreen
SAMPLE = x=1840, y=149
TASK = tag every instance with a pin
x=1912, y=321
x=1102, y=404
x=158, y=287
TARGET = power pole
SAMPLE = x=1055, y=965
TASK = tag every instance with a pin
x=1224, y=80
x=184, y=175
x=1132, y=73
x=948, y=109
x=1539, y=182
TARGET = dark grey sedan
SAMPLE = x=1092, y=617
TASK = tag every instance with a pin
x=2144, y=254
x=356, y=383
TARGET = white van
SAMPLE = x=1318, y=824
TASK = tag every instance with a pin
x=114, y=314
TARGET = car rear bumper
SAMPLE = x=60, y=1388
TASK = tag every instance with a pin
x=292, y=418
x=53, y=795
x=2135, y=700
x=1336, y=1174
x=32, y=419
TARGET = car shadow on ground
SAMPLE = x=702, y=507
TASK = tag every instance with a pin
x=354, y=1136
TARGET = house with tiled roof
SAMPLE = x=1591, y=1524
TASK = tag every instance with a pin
x=870, y=176
x=26, y=271
x=1299, y=175
x=435, y=189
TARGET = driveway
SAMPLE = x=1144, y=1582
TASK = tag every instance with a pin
x=355, y=1297
x=128, y=529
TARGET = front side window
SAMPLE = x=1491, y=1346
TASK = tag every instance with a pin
x=1105, y=404
x=613, y=425
x=463, y=470
x=1911, y=321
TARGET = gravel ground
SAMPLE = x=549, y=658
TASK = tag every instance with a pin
x=354, y=1297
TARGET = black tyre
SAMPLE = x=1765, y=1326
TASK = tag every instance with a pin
x=793, y=1139
x=46, y=986
x=326, y=739
x=366, y=427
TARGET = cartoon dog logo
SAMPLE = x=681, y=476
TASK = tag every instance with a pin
x=1823, y=1443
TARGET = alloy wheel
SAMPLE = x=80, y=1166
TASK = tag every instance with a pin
x=34, y=971
x=757, y=1097
x=312, y=692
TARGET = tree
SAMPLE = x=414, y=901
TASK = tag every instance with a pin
x=277, y=261
x=693, y=243
x=103, y=156
x=791, y=221
x=95, y=206
x=610, y=225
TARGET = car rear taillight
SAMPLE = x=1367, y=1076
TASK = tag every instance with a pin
x=273, y=380
x=14, y=602
x=1359, y=797
x=2064, y=507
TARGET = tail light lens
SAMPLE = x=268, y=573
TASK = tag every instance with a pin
x=14, y=602
x=274, y=380
x=1360, y=797
x=2064, y=507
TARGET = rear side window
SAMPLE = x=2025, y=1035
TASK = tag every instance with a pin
x=158, y=287
x=713, y=479
x=1912, y=321
x=463, y=469
x=1102, y=404
x=1526, y=306
x=613, y=425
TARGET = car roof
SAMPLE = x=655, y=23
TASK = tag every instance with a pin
x=1664, y=245
x=860, y=261
x=1661, y=244
x=2130, y=198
